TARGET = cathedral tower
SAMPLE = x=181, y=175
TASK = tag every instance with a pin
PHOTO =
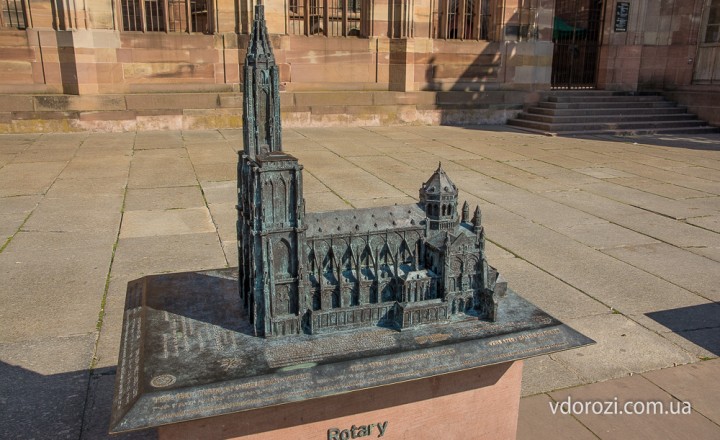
x=439, y=198
x=270, y=203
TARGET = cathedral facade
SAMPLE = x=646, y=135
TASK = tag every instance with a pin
x=394, y=266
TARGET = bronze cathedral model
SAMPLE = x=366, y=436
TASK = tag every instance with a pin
x=393, y=266
x=190, y=347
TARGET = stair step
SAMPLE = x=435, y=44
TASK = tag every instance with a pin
x=596, y=126
x=614, y=104
x=705, y=129
x=607, y=111
x=649, y=119
x=605, y=98
x=592, y=112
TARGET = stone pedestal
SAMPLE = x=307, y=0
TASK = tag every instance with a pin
x=480, y=403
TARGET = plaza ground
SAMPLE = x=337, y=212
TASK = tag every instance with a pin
x=619, y=237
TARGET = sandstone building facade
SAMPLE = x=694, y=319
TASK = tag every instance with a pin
x=176, y=63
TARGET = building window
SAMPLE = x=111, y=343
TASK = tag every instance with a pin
x=151, y=16
x=333, y=18
x=463, y=19
x=712, y=29
x=13, y=15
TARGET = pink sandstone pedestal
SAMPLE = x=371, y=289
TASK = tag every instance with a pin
x=480, y=403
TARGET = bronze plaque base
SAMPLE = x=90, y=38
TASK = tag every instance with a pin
x=187, y=352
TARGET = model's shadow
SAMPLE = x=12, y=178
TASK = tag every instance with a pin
x=72, y=405
x=698, y=324
x=209, y=296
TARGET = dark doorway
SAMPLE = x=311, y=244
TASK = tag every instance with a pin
x=576, y=33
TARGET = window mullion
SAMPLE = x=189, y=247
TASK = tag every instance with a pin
x=188, y=16
x=326, y=18
x=143, y=17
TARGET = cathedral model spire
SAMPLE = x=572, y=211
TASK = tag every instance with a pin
x=261, y=103
x=394, y=266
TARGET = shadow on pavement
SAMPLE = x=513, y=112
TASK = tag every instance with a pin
x=698, y=324
x=73, y=405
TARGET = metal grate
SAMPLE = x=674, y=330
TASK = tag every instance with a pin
x=462, y=19
x=308, y=17
x=13, y=14
x=151, y=16
x=576, y=37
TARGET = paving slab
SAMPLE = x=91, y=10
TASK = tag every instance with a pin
x=495, y=252
x=701, y=343
x=231, y=252
x=45, y=155
x=226, y=191
x=13, y=212
x=109, y=141
x=399, y=133
x=168, y=222
x=15, y=143
x=161, y=168
x=696, y=383
x=513, y=176
x=295, y=146
x=646, y=426
x=201, y=136
x=43, y=385
x=678, y=266
x=701, y=172
x=152, y=199
x=349, y=148
x=536, y=422
x=710, y=222
x=224, y=218
x=6, y=158
x=28, y=178
x=623, y=348
x=140, y=256
x=59, y=140
x=83, y=213
x=477, y=147
x=52, y=274
x=216, y=172
x=604, y=235
x=150, y=140
x=542, y=374
x=671, y=177
x=560, y=175
x=660, y=188
x=547, y=292
x=87, y=187
x=88, y=166
x=601, y=172
x=236, y=134
x=381, y=201
x=614, y=283
x=324, y=201
x=677, y=209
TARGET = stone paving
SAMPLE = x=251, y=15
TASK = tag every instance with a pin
x=619, y=237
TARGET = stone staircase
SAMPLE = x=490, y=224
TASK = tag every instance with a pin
x=596, y=112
